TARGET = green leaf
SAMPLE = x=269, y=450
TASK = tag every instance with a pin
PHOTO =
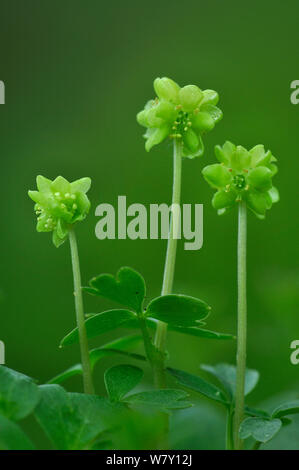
x=262, y=430
x=256, y=413
x=66, y=374
x=226, y=374
x=99, y=324
x=119, y=380
x=117, y=346
x=178, y=310
x=127, y=288
x=201, y=333
x=289, y=408
x=12, y=437
x=197, y=384
x=72, y=420
x=19, y=395
x=164, y=399
x=193, y=331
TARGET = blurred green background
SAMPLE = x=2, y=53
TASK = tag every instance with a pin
x=76, y=73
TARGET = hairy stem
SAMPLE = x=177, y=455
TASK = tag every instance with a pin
x=87, y=376
x=242, y=324
x=161, y=332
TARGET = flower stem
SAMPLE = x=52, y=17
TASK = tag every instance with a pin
x=161, y=332
x=242, y=324
x=229, y=435
x=87, y=376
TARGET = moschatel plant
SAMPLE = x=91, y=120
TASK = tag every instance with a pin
x=126, y=417
x=182, y=114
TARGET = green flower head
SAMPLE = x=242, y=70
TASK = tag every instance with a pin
x=242, y=175
x=59, y=204
x=179, y=113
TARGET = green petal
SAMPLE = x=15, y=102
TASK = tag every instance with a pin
x=190, y=96
x=217, y=175
x=167, y=89
x=224, y=199
x=203, y=122
x=37, y=197
x=156, y=136
x=43, y=184
x=209, y=97
x=260, y=178
x=142, y=118
x=259, y=157
x=224, y=154
x=61, y=185
x=273, y=169
x=83, y=184
x=258, y=202
x=166, y=111
x=214, y=112
x=274, y=194
x=240, y=159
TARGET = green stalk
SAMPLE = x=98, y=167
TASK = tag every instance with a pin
x=229, y=430
x=86, y=369
x=161, y=332
x=242, y=324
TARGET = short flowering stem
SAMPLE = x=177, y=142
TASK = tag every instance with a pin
x=242, y=324
x=87, y=376
x=161, y=332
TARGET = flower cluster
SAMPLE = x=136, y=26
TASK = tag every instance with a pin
x=242, y=175
x=59, y=204
x=179, y=113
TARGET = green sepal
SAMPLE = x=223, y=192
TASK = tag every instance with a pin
x=155, y=136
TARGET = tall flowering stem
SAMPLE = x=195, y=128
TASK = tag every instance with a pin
x=59, y=205
x=86, y=369
x=242, y=324
x=242, y=178
x=183, y=114
x=161, y=332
